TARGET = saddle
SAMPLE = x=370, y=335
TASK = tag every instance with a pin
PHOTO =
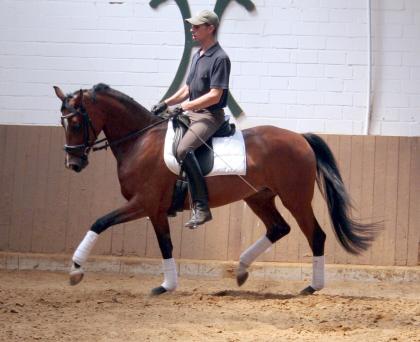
x=203, y=154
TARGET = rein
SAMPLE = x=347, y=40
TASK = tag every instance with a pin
x=87, y=125
x=123, y=139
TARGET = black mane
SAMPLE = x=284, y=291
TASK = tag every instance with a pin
x=121, y=97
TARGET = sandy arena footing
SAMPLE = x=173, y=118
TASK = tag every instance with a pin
x=268, y=271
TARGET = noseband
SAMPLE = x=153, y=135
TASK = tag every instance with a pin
x=82, y=149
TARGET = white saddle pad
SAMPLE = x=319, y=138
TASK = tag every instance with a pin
x=229, y=159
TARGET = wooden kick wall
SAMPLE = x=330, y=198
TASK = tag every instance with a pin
x=46, y=208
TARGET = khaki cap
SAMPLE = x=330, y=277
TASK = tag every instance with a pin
x=204, y=17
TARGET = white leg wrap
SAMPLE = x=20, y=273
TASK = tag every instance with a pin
x=170, y=281
x=252, y=253
x=318, y=270
x=85, y=247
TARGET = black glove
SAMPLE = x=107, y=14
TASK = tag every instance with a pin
x=159, y=108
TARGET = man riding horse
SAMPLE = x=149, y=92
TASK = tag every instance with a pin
x=206, y=90
x=279, y=164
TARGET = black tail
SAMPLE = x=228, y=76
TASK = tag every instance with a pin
x=354, y=237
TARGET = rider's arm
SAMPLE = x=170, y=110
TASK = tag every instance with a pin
x=181, y=95
x=204, y=101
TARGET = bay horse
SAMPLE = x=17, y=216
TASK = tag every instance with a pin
x=279, y=163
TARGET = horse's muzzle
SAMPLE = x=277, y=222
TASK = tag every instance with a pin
x=75, y=163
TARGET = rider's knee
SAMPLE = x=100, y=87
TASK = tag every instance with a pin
x=181, y=153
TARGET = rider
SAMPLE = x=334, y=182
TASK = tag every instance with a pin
x=206, y=90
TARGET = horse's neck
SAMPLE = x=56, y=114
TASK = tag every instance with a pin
x=122, y=122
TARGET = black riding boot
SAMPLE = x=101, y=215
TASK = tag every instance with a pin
x=198, y=189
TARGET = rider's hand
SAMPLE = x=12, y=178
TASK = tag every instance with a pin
x=159, y=108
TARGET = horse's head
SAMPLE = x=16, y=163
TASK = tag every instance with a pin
x=81, y=128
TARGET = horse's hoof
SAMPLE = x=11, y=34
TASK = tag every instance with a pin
x=158, y=291
x=76, y=275
x=308, y=291
x=76, y=278
x=241, y=278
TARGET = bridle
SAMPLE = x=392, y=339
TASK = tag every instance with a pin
x=83, y=149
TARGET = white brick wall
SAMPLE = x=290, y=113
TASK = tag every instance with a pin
x=298, y=64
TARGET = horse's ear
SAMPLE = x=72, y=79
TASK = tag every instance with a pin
x=59, y=93
x=79, y=98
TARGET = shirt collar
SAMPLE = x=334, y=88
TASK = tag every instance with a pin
x=211, y=50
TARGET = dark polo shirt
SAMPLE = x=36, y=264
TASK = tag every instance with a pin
x=211, y=70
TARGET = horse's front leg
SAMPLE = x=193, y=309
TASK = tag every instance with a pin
x=163, y=234
x=130, y=211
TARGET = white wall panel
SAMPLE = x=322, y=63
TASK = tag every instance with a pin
x=300, y=64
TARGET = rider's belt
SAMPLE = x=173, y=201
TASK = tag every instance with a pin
x=214, y=111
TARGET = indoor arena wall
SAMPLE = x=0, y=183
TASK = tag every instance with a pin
x=45, y=208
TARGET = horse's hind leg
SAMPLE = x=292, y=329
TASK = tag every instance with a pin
x=263, y=205
x=305, y=217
